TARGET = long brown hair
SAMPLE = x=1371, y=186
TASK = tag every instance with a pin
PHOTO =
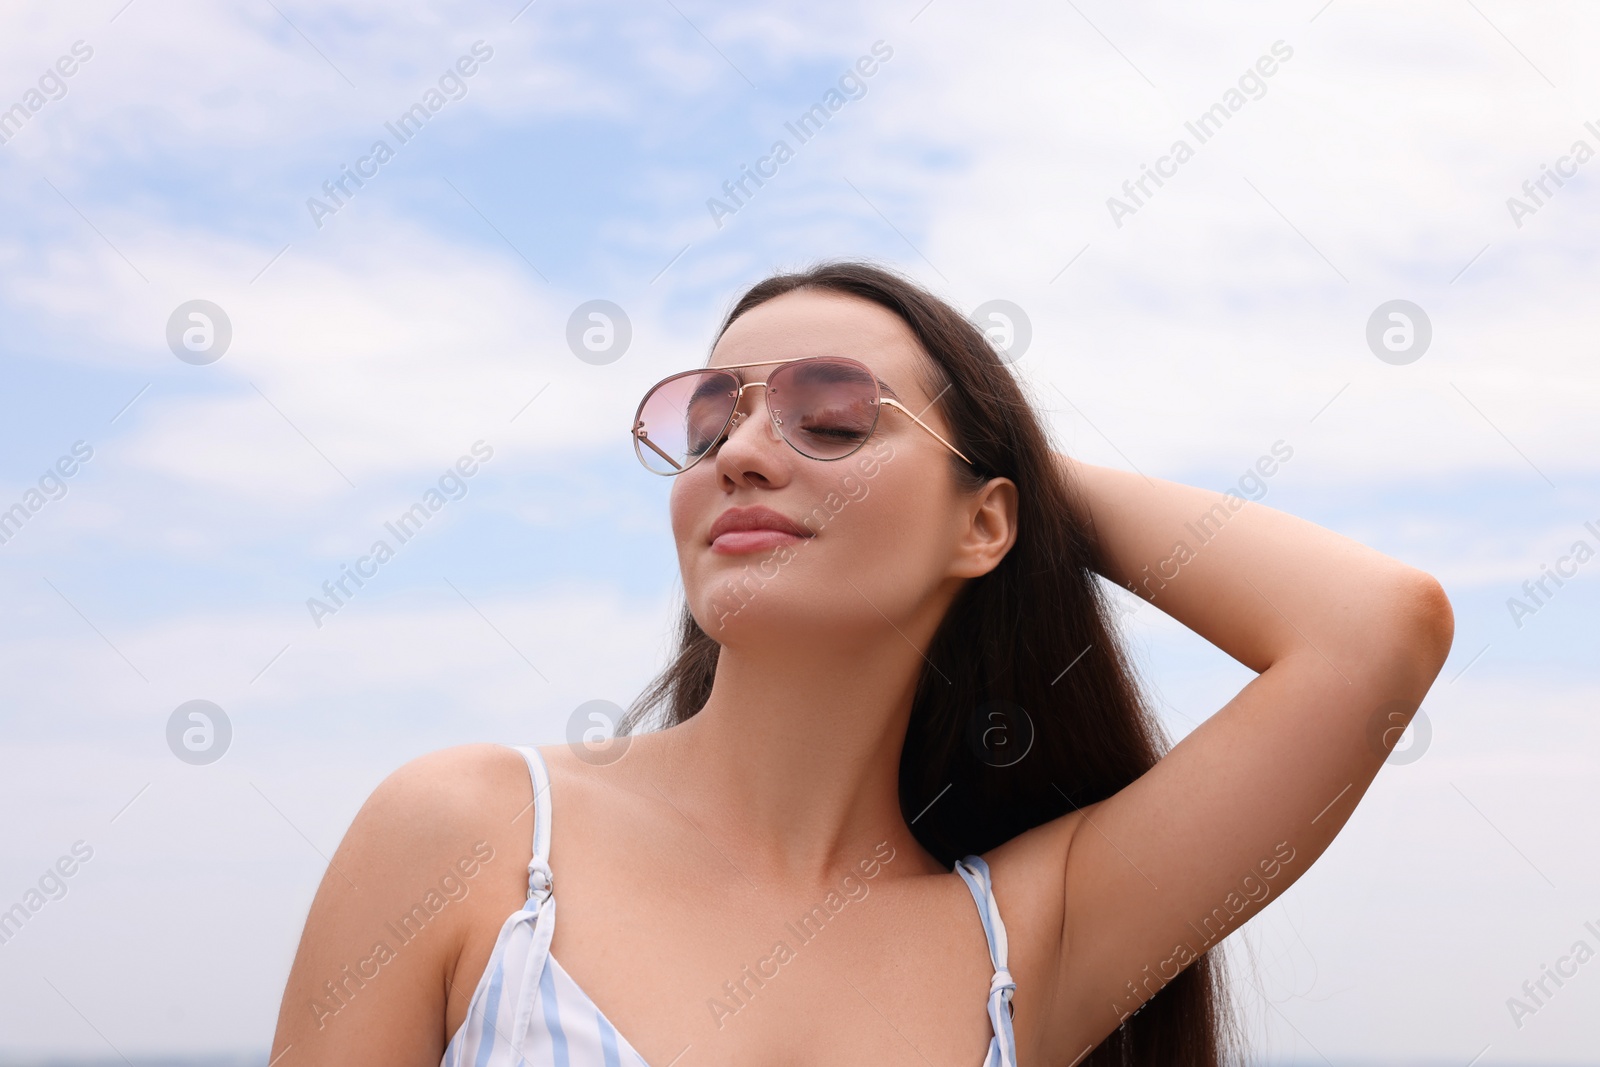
x=1031, y=642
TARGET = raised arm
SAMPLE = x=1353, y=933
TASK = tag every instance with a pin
x=1346, y=642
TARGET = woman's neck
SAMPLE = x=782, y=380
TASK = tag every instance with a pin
x=793, y=763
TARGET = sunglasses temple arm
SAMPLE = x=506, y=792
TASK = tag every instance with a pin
x=638, y=436
x=925, y=426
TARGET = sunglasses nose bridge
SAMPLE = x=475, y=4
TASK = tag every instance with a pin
x=739, y=414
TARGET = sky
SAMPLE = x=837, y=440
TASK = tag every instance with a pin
x=187, y=484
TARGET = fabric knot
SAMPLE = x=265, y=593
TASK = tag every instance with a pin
x=1003, y=984
x=540, y=881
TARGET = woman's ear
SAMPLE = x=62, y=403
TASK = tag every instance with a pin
x=990, y=531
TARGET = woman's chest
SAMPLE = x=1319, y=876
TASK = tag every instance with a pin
x=727, y=972
x=695, y=961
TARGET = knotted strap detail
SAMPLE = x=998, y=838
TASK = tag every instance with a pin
x=1000, y=1013
x=1004, y=985
x=1002, y=1048
x=541, y=883
x=540, y=879
x=540, y=910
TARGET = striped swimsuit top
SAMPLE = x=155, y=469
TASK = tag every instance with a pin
x=527, y=1009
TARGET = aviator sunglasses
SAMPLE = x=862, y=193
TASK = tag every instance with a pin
x=824, y=407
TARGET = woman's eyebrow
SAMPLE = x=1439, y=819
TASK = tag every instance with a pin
x=885, y=387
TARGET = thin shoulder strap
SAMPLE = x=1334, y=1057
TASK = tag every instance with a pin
x=975, y=872
x=540, y=880
x=534, y=924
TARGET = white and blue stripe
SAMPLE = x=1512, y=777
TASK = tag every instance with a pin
x=528, y=1010
x=1003, y=1046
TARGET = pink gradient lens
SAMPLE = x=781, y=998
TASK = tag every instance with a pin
x=824, y=408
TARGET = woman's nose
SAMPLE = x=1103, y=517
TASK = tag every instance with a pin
x=748, y=410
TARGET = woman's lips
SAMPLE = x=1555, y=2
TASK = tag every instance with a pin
x=754, y=529
x=736, y=542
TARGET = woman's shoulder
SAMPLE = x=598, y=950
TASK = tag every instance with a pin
x=436, y=809
x=441, y=795
x=437, y=852
x=455, y=770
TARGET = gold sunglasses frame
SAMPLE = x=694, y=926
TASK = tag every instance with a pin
x=878, y=401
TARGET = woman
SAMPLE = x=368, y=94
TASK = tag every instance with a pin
x=907, y=805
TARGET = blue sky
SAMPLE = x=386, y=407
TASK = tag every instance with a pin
x=1227, y=313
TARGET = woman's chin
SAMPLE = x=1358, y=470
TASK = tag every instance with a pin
x=788, y=622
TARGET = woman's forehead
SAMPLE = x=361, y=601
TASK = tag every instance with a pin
x=806, y=323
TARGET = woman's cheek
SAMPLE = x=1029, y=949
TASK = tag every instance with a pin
x=908, y=523
x=683, y=508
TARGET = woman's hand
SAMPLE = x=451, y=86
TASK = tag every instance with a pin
x=1256, y=582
